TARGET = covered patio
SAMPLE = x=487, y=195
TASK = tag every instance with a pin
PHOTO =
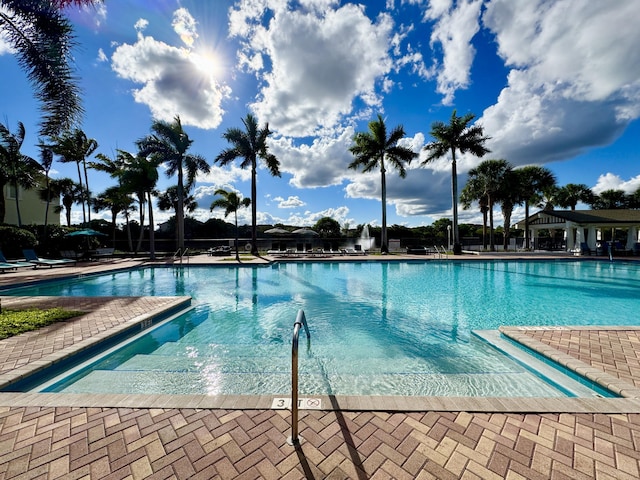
x=588, y=231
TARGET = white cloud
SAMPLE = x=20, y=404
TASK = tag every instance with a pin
x=291, y=202
x=574, y=81
x=610, y=181
x=102, y=57
x=453, y=31
x=321, y=61
x=175, y=81
x=185, y=26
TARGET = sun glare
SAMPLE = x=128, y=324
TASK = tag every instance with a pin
x=207, y=62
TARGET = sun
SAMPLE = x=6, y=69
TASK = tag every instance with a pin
x=207, y=62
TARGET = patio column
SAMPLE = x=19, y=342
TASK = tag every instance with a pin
x=632, y=237
x=591, y=238
x=569, y=236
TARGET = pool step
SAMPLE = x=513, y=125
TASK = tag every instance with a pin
x=216, y=383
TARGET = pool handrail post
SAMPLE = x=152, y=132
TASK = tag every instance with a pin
x=301, y=320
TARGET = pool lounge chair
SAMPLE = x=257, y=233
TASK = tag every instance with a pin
x=30, y=256
x=14, y=263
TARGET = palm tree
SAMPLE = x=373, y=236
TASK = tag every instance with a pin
x=231, y=202
x=484, y=184
x=371, y=149
x=610, y=200
x=572, y=193
x=17, y=169
x=116, y=200
x=140, y=176
x=46, y=160
x=169, y=144
x=66, y=188
x=533, y=181
x=508, y=196
x=42, y=39
x=250, y=145
x=75, y=146
x=457, y=135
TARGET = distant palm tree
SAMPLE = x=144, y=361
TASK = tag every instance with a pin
x=231, y=202
x=169, y=144
x=485, y=181
x=533, y=180
x=66, y=188
x=457, y=135
x=508, y=196
x=140, y=177
x=46, y=160
x=572, y=193
x=42, y=38
x=250, y=145
x=17, y=169
x=116, y=200
x=371, y=149
x=75, y=146
x=611, y=200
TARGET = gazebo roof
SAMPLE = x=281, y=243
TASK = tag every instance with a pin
x=583, y=217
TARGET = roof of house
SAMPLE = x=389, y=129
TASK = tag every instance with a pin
x=584, y=217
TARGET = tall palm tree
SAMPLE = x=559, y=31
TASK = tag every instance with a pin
x=572, y=193
x=46, y=160
x=75, y=146
x=456, y=136
x=18, y=169
x=508, y=196
x=533, y=181
x=371, y=150
x=610, y=200
x=169, y=144
x=486, y=180
x=231, y=202
x=250, y=144
x=42, y=38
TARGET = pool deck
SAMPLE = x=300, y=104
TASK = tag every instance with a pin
x=162, y=436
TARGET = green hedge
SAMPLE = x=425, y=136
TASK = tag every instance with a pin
x=14, y=239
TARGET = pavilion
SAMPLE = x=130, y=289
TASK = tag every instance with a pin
x=587, y=227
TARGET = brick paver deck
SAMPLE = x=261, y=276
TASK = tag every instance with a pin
x=94, y=437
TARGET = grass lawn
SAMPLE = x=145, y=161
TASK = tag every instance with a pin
x=15, y=322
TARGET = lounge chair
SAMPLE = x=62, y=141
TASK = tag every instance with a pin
x=14, y=264
x=31, y=256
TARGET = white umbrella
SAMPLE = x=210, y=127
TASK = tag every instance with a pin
x=277, y=231
x=306, y=231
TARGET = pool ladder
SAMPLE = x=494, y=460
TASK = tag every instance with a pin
x=301, y=321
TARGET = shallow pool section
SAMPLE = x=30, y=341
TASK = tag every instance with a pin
x=377, y=328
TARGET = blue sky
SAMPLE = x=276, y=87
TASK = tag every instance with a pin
x=553, y=83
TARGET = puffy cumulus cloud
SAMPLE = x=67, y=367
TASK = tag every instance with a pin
x=315, y=63
x=175, y=81
x=220, y=177
x=455, y=26
x=309, y=218
x=610, y=181
x=291, y=202
x=574, y=81
x=185, y=26
x=322, y=163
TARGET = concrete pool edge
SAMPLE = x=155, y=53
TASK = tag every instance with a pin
x=329, y=403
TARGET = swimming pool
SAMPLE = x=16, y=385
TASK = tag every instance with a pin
x=393, y=328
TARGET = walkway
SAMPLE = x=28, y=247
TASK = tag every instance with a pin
x=120, y=436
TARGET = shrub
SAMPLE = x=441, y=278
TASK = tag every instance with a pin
x=14, y=239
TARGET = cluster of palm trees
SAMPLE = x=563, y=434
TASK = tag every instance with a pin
x=497, y=182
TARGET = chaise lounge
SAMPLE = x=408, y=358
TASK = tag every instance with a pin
x=32, y=257
x=12, y=265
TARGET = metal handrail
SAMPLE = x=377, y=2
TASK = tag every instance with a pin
x=301, y=320
x=179, y=254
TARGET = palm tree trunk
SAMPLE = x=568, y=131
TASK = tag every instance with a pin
x=254, y=211
x=3, y=204
x=152, y=233
x=141, y=234
x=15, y=186
x=383, y=236
x=492, y=243
x=457, y=248
x=526, y=224
x=180, y=209
x=86, y=183
x=82, y=194
x=237, y=253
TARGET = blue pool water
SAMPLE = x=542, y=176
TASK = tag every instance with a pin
x=376, y=328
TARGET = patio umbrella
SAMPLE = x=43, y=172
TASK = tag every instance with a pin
x=86, y=232
x=277, y=231
x=306, y=231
